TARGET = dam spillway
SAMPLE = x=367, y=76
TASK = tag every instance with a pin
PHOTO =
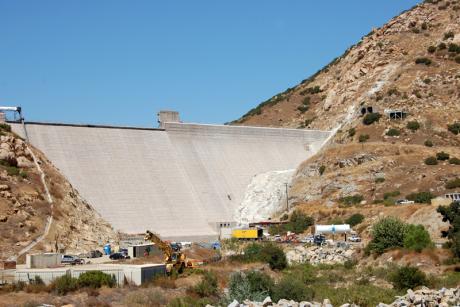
x=178, y=181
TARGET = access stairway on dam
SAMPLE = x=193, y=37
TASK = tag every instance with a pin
x=178, y=181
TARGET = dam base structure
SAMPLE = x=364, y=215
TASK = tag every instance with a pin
x=178, y=181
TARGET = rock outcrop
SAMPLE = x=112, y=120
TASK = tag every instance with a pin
x=427, y=297
x=320, y=254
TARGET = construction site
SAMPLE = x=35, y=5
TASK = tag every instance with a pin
x=342, y=190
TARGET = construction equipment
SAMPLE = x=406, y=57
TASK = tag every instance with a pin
x=248, y=234
x=173, y=259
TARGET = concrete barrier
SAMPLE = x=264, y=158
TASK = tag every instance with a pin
x=44, y=260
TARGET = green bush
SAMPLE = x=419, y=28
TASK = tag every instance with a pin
x=207, y=286
x=428, y=143
x=431, y=161
x=299, y=222
x=421, y=197
x=303, y=108
x=393, y=132
x=453, y=184
x=252, y=252
x=5, y=127
x=455, y=161
x=266, y=252
x=442, y=156
x=254, y=285
x=96, y=279
x=413, y=125
x=355, y=219
x=371, y=118
x=391, y=194
x=314, y=90
x=454, y=128
x=292, y=288
x=363, y=138
x=13, y=171
x=322, y=168
x=417, y=238
x=260, y=282
x=457, y=59
x=451, y=214
x=386, y=234
x=449, y=34
x=454, y=48
x=408, y=277
x=442, y=46
x=379, y=179
x=351, y=200
x=393, y=91
x=423, y=60
x=64, y=284
x=432, y=49
x=274, y=256
x=351, y=132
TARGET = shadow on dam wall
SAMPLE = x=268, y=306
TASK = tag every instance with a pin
x=178, y=181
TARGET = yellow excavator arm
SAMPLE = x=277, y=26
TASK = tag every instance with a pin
x=163, y=246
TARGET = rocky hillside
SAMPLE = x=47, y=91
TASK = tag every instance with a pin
x=410, y=64
x=410, y=67
x=28, y=213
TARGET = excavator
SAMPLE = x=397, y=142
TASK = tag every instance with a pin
x=174, y=260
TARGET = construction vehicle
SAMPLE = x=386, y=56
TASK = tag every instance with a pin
x=174, y=260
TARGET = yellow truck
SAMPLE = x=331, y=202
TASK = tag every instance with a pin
x=248, y=234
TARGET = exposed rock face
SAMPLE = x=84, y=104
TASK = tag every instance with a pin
x=317, y=254
x=263, y=196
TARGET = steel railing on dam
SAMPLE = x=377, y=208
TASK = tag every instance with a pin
x=178, y=181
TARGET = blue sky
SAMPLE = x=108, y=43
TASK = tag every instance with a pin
x=119, y=62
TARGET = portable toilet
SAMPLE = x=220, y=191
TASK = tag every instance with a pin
x=107, y=249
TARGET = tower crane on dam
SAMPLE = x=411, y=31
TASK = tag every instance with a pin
x=173, y=259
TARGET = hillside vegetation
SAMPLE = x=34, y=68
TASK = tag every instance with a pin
x=412, y=65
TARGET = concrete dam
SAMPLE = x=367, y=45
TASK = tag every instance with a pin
x=179, y=181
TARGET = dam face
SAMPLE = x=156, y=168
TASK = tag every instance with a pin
x=178, y=181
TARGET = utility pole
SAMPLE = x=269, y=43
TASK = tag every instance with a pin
x=287, y=197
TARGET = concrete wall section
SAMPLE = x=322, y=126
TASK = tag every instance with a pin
x=39, y=261
x=178, y=182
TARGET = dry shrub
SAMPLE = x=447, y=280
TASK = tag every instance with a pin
x=431, y=253
x=91, y=292
x=145, y=297
x=95, y=302
x=164, y=282
x=36, y=288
